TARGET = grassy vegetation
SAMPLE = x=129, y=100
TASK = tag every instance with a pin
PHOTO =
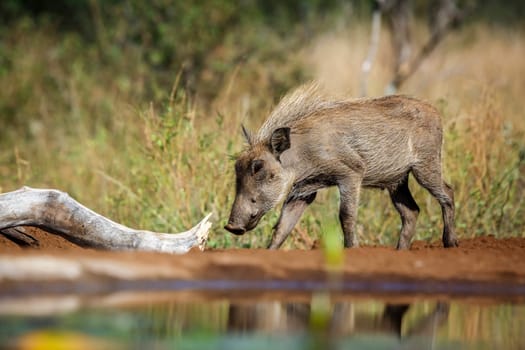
x=150, y=145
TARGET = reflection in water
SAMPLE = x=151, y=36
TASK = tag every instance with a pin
x=280, y=325
x=275, y=317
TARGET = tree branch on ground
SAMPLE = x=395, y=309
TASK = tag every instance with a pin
x=57, y=212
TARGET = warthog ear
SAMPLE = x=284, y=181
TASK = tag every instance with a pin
x=280, y=141
x=247, y=135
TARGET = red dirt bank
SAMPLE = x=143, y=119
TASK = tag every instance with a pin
x=483, y=259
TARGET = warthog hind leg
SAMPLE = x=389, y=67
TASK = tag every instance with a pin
x=407, y=208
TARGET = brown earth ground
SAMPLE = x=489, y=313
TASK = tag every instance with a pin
x=492, y=266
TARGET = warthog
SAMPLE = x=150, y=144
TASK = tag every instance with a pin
x=310, y=142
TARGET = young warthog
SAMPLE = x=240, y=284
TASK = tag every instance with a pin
x=310, y=142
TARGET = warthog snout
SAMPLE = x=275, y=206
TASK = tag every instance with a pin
x=239, y=224
x=236, y=230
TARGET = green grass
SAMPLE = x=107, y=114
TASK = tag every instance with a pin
x=149, y=155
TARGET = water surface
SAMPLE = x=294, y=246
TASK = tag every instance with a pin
x=314, y=321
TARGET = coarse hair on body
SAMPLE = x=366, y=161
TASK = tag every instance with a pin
x=310, y=101
x=293, y=107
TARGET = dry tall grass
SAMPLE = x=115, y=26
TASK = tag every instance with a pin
x=474, y=79
x=89, y=128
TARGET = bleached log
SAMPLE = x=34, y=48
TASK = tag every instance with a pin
x=56, y=211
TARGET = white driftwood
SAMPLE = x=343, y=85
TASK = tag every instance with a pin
x=56, y=211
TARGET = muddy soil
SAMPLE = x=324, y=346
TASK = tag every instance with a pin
x=46, y=241
x=482, y=259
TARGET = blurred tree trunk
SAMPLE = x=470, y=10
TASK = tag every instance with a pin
x=443, y=16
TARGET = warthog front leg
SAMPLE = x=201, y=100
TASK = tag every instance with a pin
x=349, y=191
x=290, y=214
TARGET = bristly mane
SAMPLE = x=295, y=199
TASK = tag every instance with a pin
x=294, y=106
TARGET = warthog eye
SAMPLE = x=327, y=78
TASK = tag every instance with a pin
x=254, y=200
x=257, y=165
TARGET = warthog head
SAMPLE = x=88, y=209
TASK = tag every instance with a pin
x=261, y=182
